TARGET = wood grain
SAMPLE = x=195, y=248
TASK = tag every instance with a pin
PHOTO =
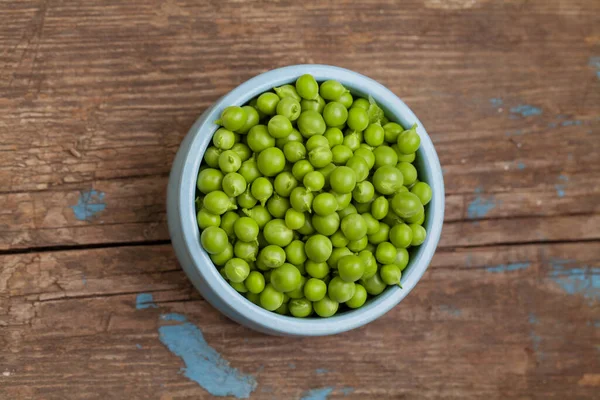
x=95, y=98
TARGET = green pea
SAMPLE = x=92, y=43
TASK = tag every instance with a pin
x=409, y=141
x=423, y=191
x=406, y=204
x=223, y=139
x=298, y=293
x=331, y=90
x=316, y=141
x=338, y=239
x=343, y=180
x=318, y=270
x=354, y=226
x=320, y=157
x=388, y=180
x=379, y=207
x=372, y=223
x=358, y=245
x=311, y=123
x=209, y=180
x=307, y=229
x=284, y=184
x=374, y=135
x=390, y=274
x=350, y=209
x=287, y=91
x=363, y=192
x=326, y=172
x=366, y=155
x=252, y=119
x=286, y=278
x=313, y=105
x=391, y=132
x=295, y=253
x=359, y=166
x=314, y=181
x=247, y=251
x=335, y=114
x=340, y=154
x=350, y=268
x=419, y=234
x=270, y=298
x=218, y=203
x=307, y=87
x=343, y=199
x=267, y=103
x=417, y=218
x=324, y=204
x=385, y=155
x=358, y=119
x=249, y=171
x=237, y=270
x=283, y=309
x=336, y=254
x=211, y=156
x=271, y=161
x=315, y=289
x=295, y=136
x=359, y=298
x=409, y=172
x=246, y=200
x=294, y=219
x=277, y=233
x=271, y=256
x=206, y=219
x=278, y=205
x=221, y=258
x=242, y=150
x=228, y=222
x=368, y=260
x=261, y=189
x=352, y=140
x=233, y=118
x=362, y=208
x=229, y=161
x=409, y=158
x=253, y=297
x=300, y=308
x=318, y=248
x=340, y=290
x=386, y=253
x=294, y=151
x=334, y=136
x=259, y=138
x=402, y=259
x=325, y=307
x=381, y=235
x=361, y=103
x=301, y=168
x=326, y=225
x=279, y=126
x=374, y=285
x=346, y=99
x=401, y=235
x=255, y=282
x=259, y=214
x=301, y=199
x=238, y=286
x=234, y=184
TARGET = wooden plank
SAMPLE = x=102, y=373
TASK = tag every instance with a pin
x=506, y=312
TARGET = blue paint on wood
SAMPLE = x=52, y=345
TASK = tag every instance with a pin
x=525, y=110
x=584, y=280
x=560, y=190
x=347, y=390
x=144, y=300
x=84, y=280
x=481, y=205
x=571, y=123
x=139, y=346
x=536, y=340
x=292, y=365
x=317, y=394
x=451, y=310
x=321, y=371
x=532, y=318
x=517, y=132
x=90, y=203
x=595, y=63
x=508, y=267
x=521, y=165
x=496, y=101
x=203, y=364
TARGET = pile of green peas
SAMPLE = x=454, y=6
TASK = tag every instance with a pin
x=308, y=199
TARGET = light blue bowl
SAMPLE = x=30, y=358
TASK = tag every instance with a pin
x=185, y=234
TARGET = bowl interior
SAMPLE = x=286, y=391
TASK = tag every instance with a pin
x=426, y=162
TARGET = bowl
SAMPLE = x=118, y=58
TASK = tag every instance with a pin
x=185, y=234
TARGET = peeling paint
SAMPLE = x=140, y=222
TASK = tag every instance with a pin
x=595, y=63
x=584, y=280
x=481, y=205
x=317, y=394
x=451, y=310
x=89, y=204
x=525, y=110
x=508, y=267
x=144, y=300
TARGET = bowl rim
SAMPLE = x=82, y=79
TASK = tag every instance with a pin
x=198, y=139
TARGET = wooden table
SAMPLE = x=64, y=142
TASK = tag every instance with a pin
x=95, y=97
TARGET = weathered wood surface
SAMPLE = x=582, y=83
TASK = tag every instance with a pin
x=95, y=98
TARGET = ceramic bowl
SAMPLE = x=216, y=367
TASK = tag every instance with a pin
x=185, y=234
